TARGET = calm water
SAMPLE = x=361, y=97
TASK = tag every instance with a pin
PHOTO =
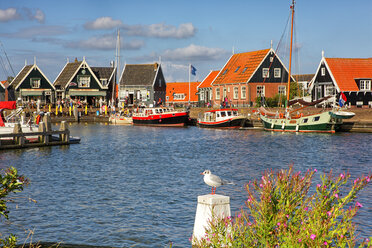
x=138, y=186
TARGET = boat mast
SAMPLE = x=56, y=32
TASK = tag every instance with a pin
x=290, y=55
x=117, y=62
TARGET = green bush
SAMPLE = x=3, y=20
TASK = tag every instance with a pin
x=10, y=182
x=283, y=213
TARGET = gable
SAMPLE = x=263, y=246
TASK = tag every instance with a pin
x=207, y=82
x=84, y=79
x=240, y=67
x=66, y=74
x=179, y=92
x=159, y=82
x=28, y=74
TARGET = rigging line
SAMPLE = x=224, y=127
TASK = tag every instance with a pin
x=3, y=66
x=10, y=65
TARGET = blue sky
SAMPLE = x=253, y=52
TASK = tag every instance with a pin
x=203, y=33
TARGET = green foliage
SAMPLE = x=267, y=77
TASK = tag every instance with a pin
x=282, y=213
x=10, y=182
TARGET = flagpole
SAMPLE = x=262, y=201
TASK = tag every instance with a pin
x=189, y=81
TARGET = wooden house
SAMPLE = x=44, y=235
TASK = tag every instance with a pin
x=78, y=81
x=248, y=76
x=2, y=91
x=32, y=85
x=205, y=92
x=142, y=84
x=352, y=76
x=182, y=93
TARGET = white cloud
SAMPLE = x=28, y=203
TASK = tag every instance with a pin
x=161, y=30
x=39, y=16
x=105, y=42
x=8, y=14
x=194, y=53
x=103, y=23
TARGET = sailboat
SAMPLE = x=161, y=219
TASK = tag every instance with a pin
x=295, y=120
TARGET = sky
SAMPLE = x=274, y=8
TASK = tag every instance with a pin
x=177, y=33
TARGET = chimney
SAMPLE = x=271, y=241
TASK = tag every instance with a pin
x=156, y=66
x=76, y=60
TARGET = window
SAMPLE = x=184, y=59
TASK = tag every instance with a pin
x=316, y=118
x=260, y=90
x=202, y=96
x=330, y=90
x=104, y=82
x=245, y=68
x=224, y=92
x=237, y=69
x=179, y=96
x=236, y=92
x=35, y=82
x=167, y=98
x=271, y=59
x=159, y=82
x=265, y=72
x=282, y=90
x=84, y=81
x=365, y=85
x=322, y=71
x=243, y=93
x=304, y=120
x=277, y=73
x=217, y=93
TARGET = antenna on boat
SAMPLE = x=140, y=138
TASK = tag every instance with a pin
x=290, y=55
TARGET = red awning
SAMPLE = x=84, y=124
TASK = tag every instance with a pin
x=8, y=105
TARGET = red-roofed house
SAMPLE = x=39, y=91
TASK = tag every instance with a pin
x=247, y=76
x=178, y=93
x=352, y=76
x=205, y=91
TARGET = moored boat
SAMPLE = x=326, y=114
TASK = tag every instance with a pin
x=160, y=116
x=121, y=118
x=221, y=118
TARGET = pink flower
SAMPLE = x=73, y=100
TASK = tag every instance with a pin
x=239, y=215
x=299, y=240
x=342, y=236
x=278, y=223
x=261, y=185
x=356, y=180
x=315, y=170
x=249, y=223
x=359, y=205
x=318, y=185
x=306, y=208
x=336, y=195
x=312, y=236
x=249, y=199
x=329, y=213
x=342, y=176
x=368, y=179
x=325, y=243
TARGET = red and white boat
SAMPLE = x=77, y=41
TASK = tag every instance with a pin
x=160, y=116
x=221, y=118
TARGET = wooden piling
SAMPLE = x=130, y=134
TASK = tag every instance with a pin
x=18, y=130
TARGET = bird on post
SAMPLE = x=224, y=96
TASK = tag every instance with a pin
x=213, y=180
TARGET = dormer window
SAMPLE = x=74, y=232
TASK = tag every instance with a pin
x=245, y=68
x=237, y=69
x=35, y=82
x=224, y=72
x=365, y=85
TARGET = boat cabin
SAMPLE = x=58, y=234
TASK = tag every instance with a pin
x=220, y=114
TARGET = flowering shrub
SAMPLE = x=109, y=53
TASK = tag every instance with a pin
x=283, y=212
x=10, y=182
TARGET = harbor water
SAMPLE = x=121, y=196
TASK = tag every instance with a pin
x=129, y=186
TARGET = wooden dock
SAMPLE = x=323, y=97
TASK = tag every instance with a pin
x=45, y=136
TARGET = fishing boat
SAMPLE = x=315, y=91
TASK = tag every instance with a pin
x=160, y=116
x=121, y=118
x=295, y=120
x=221, y=118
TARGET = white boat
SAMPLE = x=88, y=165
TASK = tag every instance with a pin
x=121, y=118
x=221, y=118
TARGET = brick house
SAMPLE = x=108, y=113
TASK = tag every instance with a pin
x=178, y=93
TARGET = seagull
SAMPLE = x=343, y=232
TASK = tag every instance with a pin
x=213, y=180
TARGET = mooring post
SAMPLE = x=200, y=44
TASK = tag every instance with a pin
x=48, y=127
x=41, y=129
x=208, y=205
x=65, y=136
x=19, y=140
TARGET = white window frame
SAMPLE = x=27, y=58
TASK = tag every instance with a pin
x=35, y=82
x=260, y=90
x=322, y=71
x=281, y=91
x=224, y=92
x=82, y=83
x=236, y=92
x=243, y=92
x=277, y=73
x=179, y=96
x=265, y=72
x=330, y=90
x=218, y=94
x=366, y=85
x=201, y=95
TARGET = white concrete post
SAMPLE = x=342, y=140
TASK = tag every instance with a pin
x=219, y=205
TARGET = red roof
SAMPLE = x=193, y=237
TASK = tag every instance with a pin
x=240, y=67
x=182, y=88
x=345, y=71
x=207, y=82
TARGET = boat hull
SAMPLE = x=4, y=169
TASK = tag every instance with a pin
x=163, y=120
x=229, y=123
x=121, y=120
x=322, y=123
